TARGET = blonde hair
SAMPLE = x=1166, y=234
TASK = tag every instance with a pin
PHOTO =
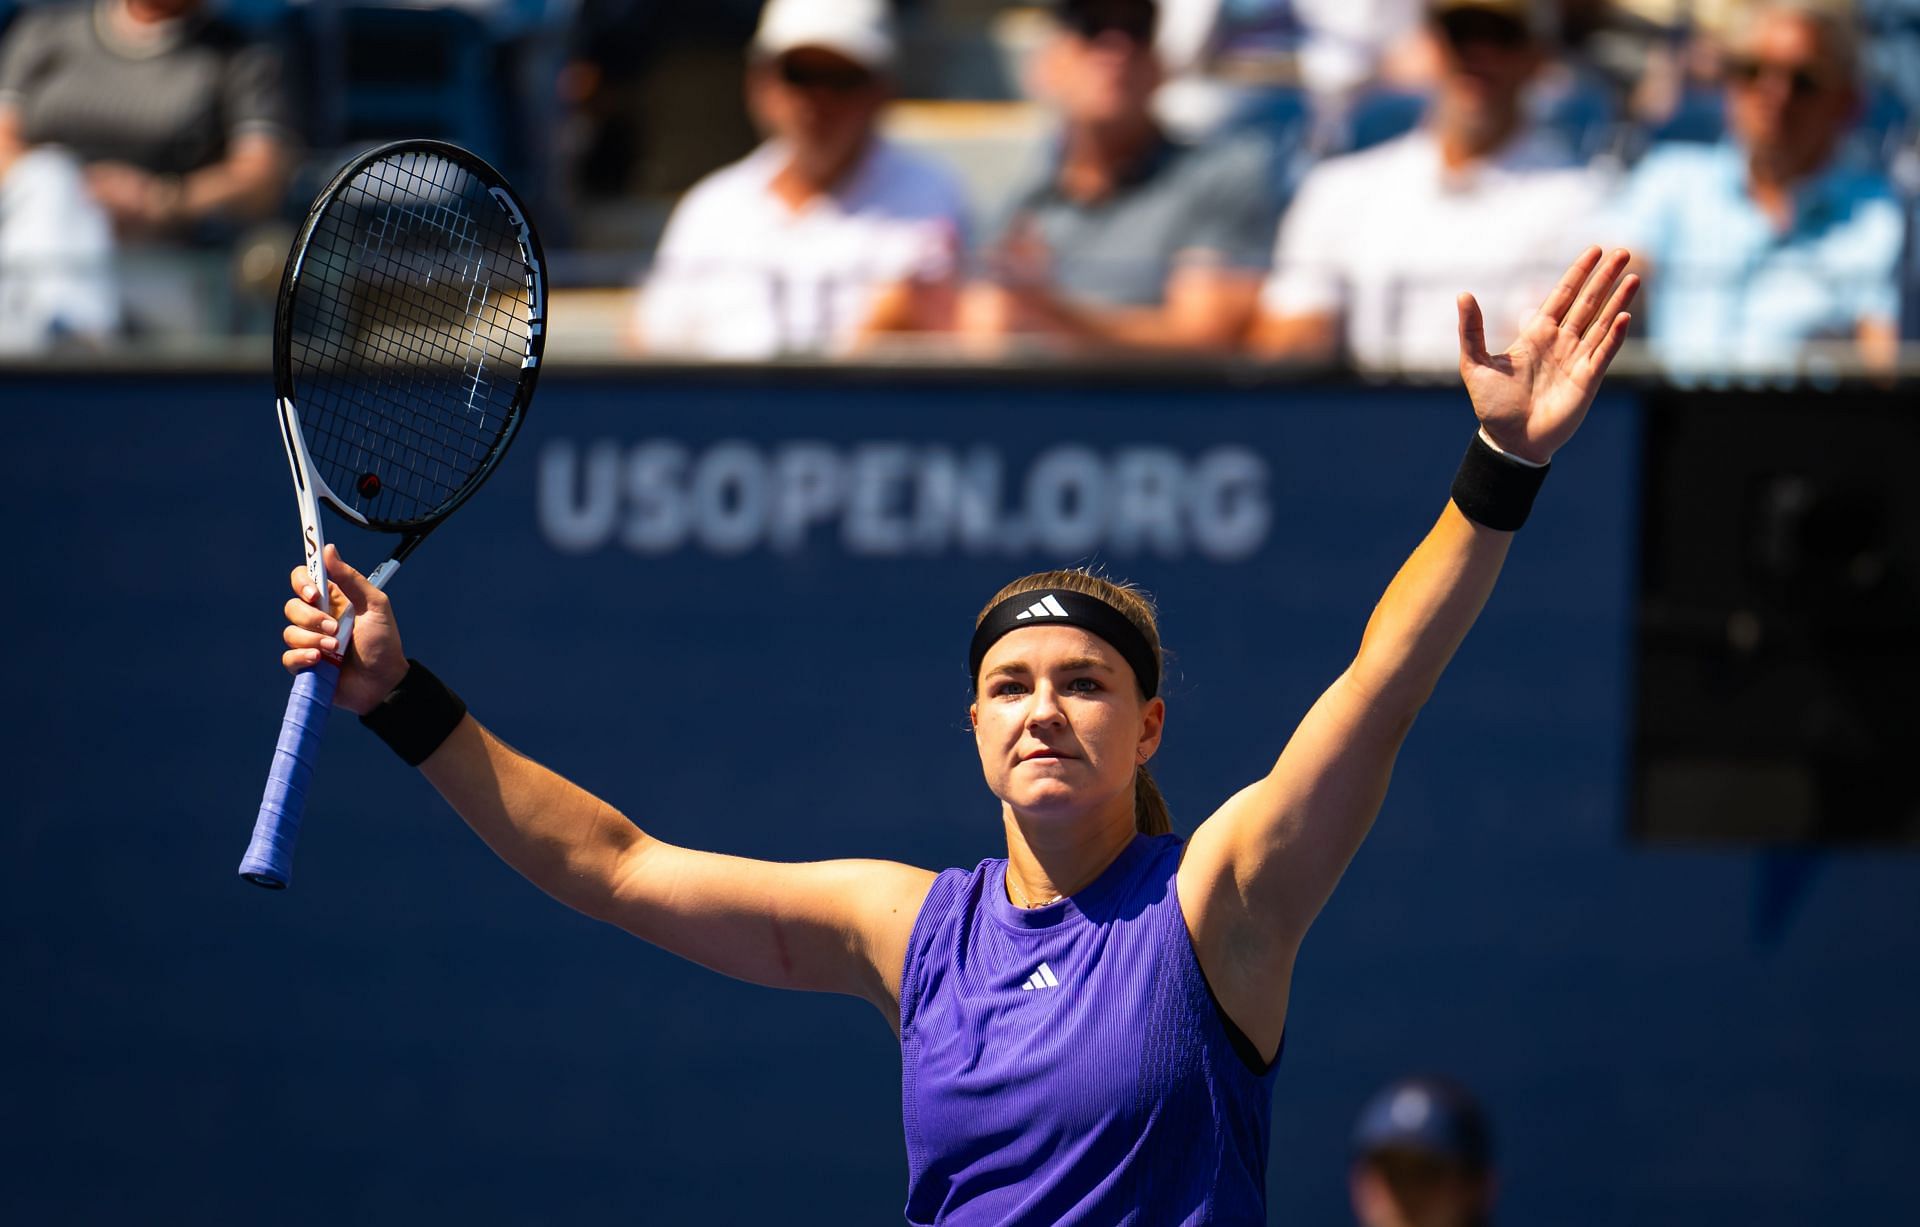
x=1150, y=813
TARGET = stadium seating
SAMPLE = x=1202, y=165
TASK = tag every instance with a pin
x=1283, y=118
x=1701, y=116
x=379, y=73
x=1379, y=115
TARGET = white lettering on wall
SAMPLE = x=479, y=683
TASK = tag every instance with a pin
x=891, y=499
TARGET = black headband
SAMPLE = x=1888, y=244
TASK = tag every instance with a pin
x=1045, y=606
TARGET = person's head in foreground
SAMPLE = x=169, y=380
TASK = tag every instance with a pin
x=1066, y=711
x=817, y=77
x=1791, y=80
x=1422, y=1157
x=149, y=11
x=1489, y=50
x=1100, y=69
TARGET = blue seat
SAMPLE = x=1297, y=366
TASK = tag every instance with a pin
x=1585, y=116
x=1379, y=115
x=1282, y=119
x=1886, y=126
x=373, y=74
x=261, y=18
x=1280, y=109
x=1890, y=45
x=1701, y=118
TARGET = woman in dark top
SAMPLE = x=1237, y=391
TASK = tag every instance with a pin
x=1089, y=1026
x=130, y=120
x=175, y=117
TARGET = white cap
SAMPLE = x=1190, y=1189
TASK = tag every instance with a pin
x=861, y=30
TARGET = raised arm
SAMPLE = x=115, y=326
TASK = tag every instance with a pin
x=1260, y=869
x=833, y=926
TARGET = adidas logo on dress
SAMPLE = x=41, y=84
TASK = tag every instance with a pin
x=1047, y=608
x=1042, y=978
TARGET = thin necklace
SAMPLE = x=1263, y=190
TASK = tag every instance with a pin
x=1020, y=896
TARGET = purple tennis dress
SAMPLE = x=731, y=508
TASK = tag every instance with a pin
x=1069, y=1064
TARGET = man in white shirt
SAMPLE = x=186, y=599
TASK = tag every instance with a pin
x=1377, y=245
x=826, y=233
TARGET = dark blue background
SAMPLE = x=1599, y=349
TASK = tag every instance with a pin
x=412, y=1033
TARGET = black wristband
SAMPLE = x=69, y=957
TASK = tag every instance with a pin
x=1494, y=489
x=417, y=715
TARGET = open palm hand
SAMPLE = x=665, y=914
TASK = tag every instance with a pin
x=1532, y=398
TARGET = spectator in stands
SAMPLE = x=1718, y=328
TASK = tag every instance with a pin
x=1349, y=44
x=1222, y=55
x=1766, y=242
x=1377, y=244
x=827, y=233
x=1422, y=1157
x=1127, y=239
x=138, y=118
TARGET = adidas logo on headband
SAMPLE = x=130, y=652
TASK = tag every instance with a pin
x=1049, y=608
x=1088, y=612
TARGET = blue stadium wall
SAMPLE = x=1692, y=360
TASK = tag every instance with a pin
x=737, y=606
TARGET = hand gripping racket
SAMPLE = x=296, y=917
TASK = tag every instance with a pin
x=407, y=339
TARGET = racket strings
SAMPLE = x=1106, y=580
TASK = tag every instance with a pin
x=415, y=332
x=409, y=332
x=436, y=450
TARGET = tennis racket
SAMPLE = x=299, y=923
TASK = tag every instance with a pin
x=407, y=339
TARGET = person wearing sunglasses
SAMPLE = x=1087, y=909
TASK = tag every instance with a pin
x=825, y=234
x=1771, y=242
x=1126, y=239
x=1376, y=243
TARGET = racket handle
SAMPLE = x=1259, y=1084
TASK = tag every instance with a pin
x=269, y=858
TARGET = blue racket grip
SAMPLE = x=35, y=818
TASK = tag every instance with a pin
x=269, y=858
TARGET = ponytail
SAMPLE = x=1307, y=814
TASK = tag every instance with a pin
x=1150, y=813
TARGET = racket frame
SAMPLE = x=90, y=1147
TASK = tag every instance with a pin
x=268, y=859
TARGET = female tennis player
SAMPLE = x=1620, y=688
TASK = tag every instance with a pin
x=1089, y=1027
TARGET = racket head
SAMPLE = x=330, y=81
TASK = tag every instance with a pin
x=409, y=331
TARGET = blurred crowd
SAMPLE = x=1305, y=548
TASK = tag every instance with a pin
x=123, y=124
x=1308, y=181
